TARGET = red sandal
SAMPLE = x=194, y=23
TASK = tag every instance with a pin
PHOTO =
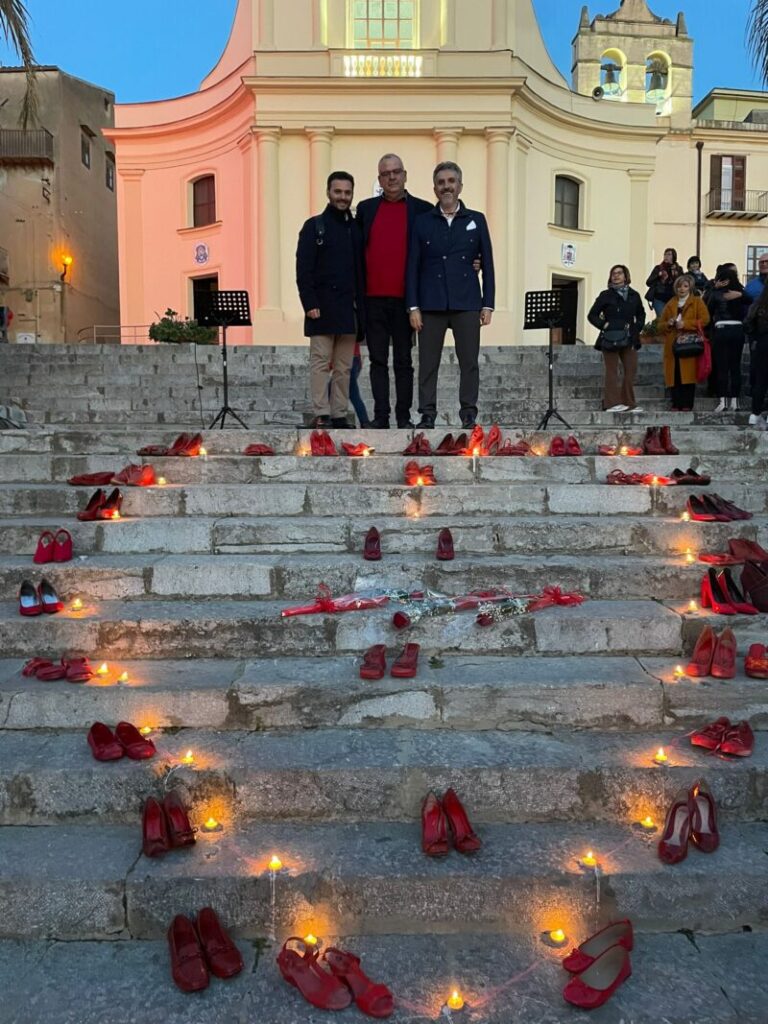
x=404, y=666
x=374, y=662
x=319, y=987
x=373, y=998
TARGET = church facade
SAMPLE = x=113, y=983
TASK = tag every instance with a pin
x=574, y=177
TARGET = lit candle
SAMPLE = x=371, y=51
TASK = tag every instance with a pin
x=77, y=605
x=161, y=481
x=146, y=730
x=623, y=450
x=123, y=678
x=310, y=940
x=692, y=606
x=648, y=824
x=655, y=482
x=204, y=453
x=589, y=860
x=557, y=938
x=660, y=757
x=189, y=758
x=685, y=516
x=679, y=671
x=455, y=1000
x=689, y=555
x=475, y=451
x=366, y=452
x=102, y=669
x=211, y=825
x=275, y=864
x=420, y=481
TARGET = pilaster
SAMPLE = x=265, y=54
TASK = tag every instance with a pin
x=267, y=203
x=320, y=151
x=498, y=189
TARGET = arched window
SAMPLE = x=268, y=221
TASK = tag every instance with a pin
x=656, y=78
x=567, y=196
x=204, y=201
x=387, y=24
x=613, y=73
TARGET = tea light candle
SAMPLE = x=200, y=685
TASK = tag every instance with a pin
x=77, y=605
x=589, y=860
x=189, y=758
x=679, y=671
x=692, y=606
x=310, y=940
x=455, y=1000
x=648, y=824
x=203, y=453
x=146, y=730
x=557, y=938
x=123, y=678
x=275, y=864
x=689, y=555
x=660, y=757
x=211, y=825
x=161, y=481
x=685, y=517
x=103, y=669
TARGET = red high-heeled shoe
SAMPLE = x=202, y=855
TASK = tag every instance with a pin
x=703, y=815
x=222, y=955
x=572, y=446
x=599, y=981
x=62, y=546
x=703, y=653
x=618, y=933
x=46, y=546
x=729, y=587
x=188, y=967
x=459, y=445
x=434, y=827
x=557, y=446
x=103, y=743
x=411, y=473
x=493, y=440
x=420, y=445
x=155, y=840
x=374, y=999
x=724, y=659
x=445, y=552
x=476, y=443
x=374, y=662
x=699, y=512
x=372, y=546
x=133, y=743
x=673, y=845
x=405, y=665
x=191, y=448
x=320, y=988
x=180, y=831
x=446, y=446
x=90, y=512
x=316, y=442
x=714, y=596
x=465, y=840
x=49, y=599
x=178, y=445
x=111, y=506
x=30, y=602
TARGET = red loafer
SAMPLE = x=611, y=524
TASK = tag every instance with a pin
x=373, y=998
x=724, y=659
x=405, y=665
x=445, y=552
x=154, y=829
x=465, y=840
x=434, y=827
x=188, y=967
x=91, y=479
x=30, y=602
x=595, y=986
x=46, y=546
x=222, y=955
x=180, y=831
x=103, y=743
x=258, y=449
x=557, y=446
x=756, y=662
x=62, y=546
x=319, y=987
x=673, y=845
x=618, y=933
x=133, y=743
x=703, y=815
x=374, y=662
x=372, y=546
x=572, y=446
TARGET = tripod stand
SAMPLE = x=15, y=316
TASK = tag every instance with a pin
x=548, y=310
x=225, y=309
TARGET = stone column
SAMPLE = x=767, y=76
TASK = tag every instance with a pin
x=498, y=189
x=447, y=143
x=320, y=144
x=639, y=222
x=267, y=203
x=132, y=306
x=499, y=24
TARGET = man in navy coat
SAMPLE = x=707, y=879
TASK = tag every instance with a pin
x=443, y=290
x=329, y=276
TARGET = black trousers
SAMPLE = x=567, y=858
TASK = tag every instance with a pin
x=759, y=373
x=727, y=347
x=683, y=395
x=465, y=325
x=388, y=318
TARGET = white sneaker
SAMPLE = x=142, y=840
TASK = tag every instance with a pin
x=734, y=403
x=637, y=408
x=721, y=405
x=618, y=408
x=756, y=421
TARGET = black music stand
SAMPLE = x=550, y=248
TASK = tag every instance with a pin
x=225, y=309
x=546, y=310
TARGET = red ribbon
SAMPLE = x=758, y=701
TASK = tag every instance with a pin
x=551, y=596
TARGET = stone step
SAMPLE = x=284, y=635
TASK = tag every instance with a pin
x=168, y=629
x=349, y=775
x=90, y=882
x=505, y=980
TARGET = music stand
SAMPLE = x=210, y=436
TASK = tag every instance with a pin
x=225, y=309
x=546, y=310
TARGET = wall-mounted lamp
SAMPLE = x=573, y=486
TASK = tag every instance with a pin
x=66, y=262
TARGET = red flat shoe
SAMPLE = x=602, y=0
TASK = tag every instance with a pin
x=716, y=559
x=572, y=446
x=49, y=599
x=62, y=546
x=91, y=479
x=320, y=988
x=110, y=507
x=133, y=743
x=103, y=743
x=152, y=449
x=703, y=653
x=222, y=955
x=596, y=985
x=404, y=666
x=372, y=546
x=714, y=596
x=188, y=967
x=557, y=446
x=465, y=839
x=30, y=602
x=519, y=449
x=178, y=445
x=434, y=827
x=191, y=448
x=329, y=448
x=607, y=449
x=180, y=831
x=52, y=672
x=446, y=447
x=673, y=845
x=703, y=815
x=77, y=670
x=357, y=450
x=374, y=999
x=618, y=933
x=756, y=662
x=445, y=552
x=135, y=476
x=91, y=510
x=739, y=740
x=258, y=449
x=712, y=735
x=747, y=550
x=724, y=660
x=374, y=662
x=31, y=667
x=493, y=441
x=154, y=829
x=45, y=548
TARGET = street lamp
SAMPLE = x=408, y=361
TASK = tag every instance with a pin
x=66, y=262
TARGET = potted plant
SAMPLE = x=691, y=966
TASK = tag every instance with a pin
x=172, y=329
x=650, y=334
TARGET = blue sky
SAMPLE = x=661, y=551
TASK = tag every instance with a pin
x=154, y=49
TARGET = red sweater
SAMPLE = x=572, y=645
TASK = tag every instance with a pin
x=386, y=252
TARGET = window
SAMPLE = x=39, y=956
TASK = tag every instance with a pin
x=85, y=148
x=204, y=201
x=727, y=182
x=202, y=287
x=109, y=172
x=754, y=252
x=390, y=24
x=566, y=202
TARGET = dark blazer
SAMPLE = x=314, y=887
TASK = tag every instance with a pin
x=440, y=256
x=613, y=313
x=368, y=208
x=329, y=275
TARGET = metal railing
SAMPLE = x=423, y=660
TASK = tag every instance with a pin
x=116, y=334
x=25, y=147
x=748, y=204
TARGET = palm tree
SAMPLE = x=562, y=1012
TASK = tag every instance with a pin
x=757, y=37
x=14, y=24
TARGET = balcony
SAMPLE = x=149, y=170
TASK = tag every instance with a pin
x=383, y=64
x=737, y=204
x=25, y=147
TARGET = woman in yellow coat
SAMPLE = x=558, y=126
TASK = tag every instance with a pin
x=682, y=315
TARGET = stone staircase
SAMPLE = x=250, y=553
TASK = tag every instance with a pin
x=545, y=724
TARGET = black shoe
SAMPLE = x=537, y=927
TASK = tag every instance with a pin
x=341, y=422
x=379, y=425
x=321, y=422
x=405, y=424
x=468, y=421
x=427, y=422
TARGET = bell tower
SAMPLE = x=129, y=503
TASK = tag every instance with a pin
x=634, y=56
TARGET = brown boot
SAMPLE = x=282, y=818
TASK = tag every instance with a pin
x=652, y=444
x=665, y=440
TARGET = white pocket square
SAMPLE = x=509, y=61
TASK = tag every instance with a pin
x=471, y=226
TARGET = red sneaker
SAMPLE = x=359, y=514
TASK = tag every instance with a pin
x=712, y=735
x=739, y=740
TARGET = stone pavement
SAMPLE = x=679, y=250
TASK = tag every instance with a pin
x=546, y=723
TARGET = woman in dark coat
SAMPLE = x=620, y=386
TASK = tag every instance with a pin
x=619, y=308
x=727, y=305
x=756, y=328
x=661, y=281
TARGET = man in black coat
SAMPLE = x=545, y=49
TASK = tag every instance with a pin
x=385, y=224
x=330, y=281
x=443, y=290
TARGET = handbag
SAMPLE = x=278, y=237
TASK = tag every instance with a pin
x=613, y=341
x=690, y=344
x=704, y=363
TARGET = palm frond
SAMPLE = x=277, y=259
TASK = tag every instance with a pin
x=14, y=24
x=757, y=37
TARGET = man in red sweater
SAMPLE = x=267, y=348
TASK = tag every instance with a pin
x=385, y=223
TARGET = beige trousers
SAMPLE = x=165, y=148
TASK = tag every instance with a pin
x=330, y=353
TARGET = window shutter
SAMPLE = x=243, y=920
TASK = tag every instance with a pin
x=715, y=172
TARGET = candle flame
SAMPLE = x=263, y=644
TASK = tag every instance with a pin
x=475, y=451
x=77, y=604
x=275, y=864
x=648, y=822
x=123, y=678
x=161, y=481
x=558, y=935
x=655, y=481
x=689, y=556
x=679, y=671
x=685, y=516
x=102, y=669
x=589, y=860
x=623, y=450
x=660, y=756
x=203, y=451
x=455, y=1000
x=310, y=940
x=693, y=607
x=145, y=730
x=420, y=481
x=189, y=758
x=211, y=825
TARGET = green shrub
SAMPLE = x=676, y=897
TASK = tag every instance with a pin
x=170, y=328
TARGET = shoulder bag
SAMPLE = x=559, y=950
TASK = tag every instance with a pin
x=690, y=344
x=613, y=341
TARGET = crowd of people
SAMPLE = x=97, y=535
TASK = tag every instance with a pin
x=690, y=312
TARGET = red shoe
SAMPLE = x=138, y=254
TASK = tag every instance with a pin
x=135, y=476
x=374, y=662
x=444, y=551
x=493, y=441
x=221, y=954
x=756, y=662
x=557, y=446
x=712, y=735
x=420, y=446
x=714, y=596
x=476, y=443
x=446, y=447
x=703, y=653
x=724, y=660
x=699, y=512
x=188, y=967
x=373, y=999
x=356, y=450
x=258, y=449
x=320, y=988
x=434, y=827
x=316, y=442
x=155, y=840
x=665, y=440
x=372, y=546
x=652, y=443
x=713, y=504
x=427, y=474
x=91, y=510
x=110, y=507
x=133, y=743
x=329, y=448
x=729, y=509
x=459, y=445
x=191, y=448
x=411, y=473
x=734, y=594
x=747, y=550
x=50, y=672
x=77, y=670
x=606, y=449
x=103, y=743
x=618, y=933
x=405, y=665
x=180, y=831
x=31, y=667
x=703, y=815
x=572, y=446
x=673, y=845
x=44, y=551
x=739, y=740
x=596, y=985
x=62, y=546
x=464, y=838
x=178, y=445
x=49, y=599
x=91, y=479
x=717, y=559
x=518, y=449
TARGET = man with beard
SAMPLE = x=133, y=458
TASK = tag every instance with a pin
x=443, y=290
